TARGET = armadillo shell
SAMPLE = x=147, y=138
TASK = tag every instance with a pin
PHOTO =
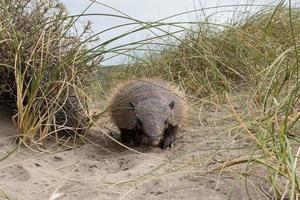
x=135, y=91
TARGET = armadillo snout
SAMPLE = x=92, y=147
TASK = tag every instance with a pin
x=155, y=143
x=152, y=141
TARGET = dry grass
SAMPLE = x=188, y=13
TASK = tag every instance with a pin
x=214, y=58
x=44, y=66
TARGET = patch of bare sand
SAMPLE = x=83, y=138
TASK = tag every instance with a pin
x=104, y=170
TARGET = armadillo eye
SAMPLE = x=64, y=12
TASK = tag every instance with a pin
x=140, y=124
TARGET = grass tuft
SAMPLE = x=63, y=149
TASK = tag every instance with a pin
x=43, y=69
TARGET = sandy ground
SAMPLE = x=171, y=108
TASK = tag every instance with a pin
x=102, y=169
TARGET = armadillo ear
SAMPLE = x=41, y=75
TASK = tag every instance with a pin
x=172, y=104
x=139, y=124
x=132, y=105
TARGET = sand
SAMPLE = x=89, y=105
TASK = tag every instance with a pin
x=104, y=170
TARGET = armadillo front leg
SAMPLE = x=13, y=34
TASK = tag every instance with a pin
x=169, y=137
x=131, y=135
x=137, y=138
x=127, y=135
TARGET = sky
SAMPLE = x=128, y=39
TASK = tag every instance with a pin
x=150, y=11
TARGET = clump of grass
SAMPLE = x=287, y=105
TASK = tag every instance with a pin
x=276, y=130
x=213, y=58
x=43, y=68
x=4, y=195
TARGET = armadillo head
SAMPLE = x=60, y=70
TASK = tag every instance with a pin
x=152, y=117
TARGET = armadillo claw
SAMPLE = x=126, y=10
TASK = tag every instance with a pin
x=168, y=142
x=172, y=145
